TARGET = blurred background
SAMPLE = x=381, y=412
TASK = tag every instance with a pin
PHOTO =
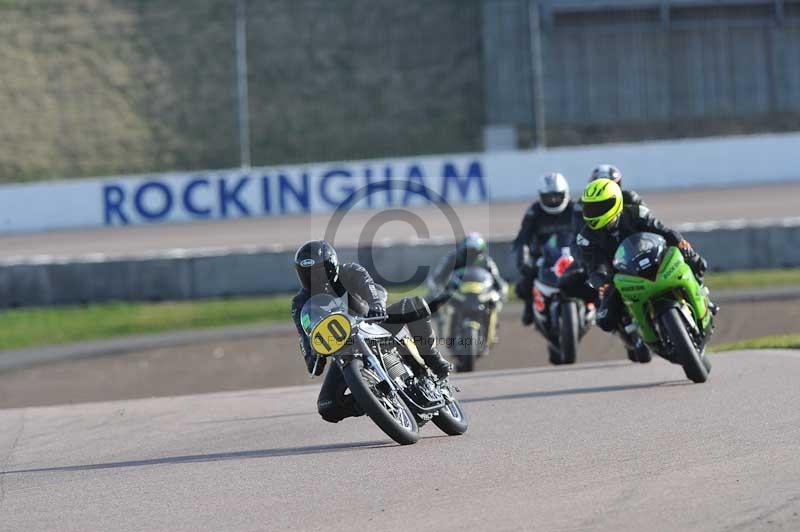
x=109, y=87
x=698, y=102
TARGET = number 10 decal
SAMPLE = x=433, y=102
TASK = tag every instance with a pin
x=331, y=334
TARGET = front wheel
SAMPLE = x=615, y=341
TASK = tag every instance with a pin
x=568, y=335
x=451, y=419
x=694, y=364
x=388, y=411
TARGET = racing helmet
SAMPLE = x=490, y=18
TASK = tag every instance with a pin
x=317, y=267
x=606, y=171
x=602, y=203
x=471, y=248
x=553, y=193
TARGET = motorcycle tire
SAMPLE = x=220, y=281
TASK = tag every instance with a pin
x=554, y=355
x=568, y=335
x=465, y=363
x=402, y=429
x=693, y=364
x=451, y=419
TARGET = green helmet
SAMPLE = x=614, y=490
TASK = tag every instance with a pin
x=602, y=203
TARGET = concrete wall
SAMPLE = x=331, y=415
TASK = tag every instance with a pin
x=193, y=276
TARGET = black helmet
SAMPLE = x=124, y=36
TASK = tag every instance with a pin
x=317, y=267
x=606, y=171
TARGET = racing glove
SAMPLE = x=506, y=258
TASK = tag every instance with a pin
x=377, y=310
x=311, y=360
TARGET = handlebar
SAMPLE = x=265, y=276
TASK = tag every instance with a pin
x=376, y=319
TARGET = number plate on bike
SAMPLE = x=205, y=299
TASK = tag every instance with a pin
x=331, y=334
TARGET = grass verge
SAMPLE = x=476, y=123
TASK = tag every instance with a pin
x=752, y=279
x=788, y=341
x=33, y=327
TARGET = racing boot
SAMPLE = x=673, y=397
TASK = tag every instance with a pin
x=636, y=349
x=427, y=345
x=527, y=313
x=438, y=364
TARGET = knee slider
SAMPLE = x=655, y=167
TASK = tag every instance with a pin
x=330, y=411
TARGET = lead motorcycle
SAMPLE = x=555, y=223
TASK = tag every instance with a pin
x=375, y=365
x=668, y=305
x=561, y=319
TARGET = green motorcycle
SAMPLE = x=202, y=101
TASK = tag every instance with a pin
x=667, y=304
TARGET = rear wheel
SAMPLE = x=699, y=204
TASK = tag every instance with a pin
x=466, y=363
x=568, y=335
x=694, y=365
x=388, y=411
x=468, y=349
x=451, y=419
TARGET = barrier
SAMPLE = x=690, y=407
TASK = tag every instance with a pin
x=258, y=272
x=464, y=178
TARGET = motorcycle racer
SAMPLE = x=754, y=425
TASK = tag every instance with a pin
x=608, y=222
x=319, y=271
x=471, y=251
x=554, y=212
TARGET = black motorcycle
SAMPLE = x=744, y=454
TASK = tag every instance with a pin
x=377, y=368
x=561, y=319
x=469, y=320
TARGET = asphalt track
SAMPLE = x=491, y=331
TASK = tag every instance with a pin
x=496, y=220
x=598, y=446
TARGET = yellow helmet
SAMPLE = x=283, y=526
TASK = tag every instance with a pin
x=602, y=203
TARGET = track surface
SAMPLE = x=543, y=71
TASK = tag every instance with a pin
x=497, y=220
x=601, y=446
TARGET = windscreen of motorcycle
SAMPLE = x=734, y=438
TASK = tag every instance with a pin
x=556, y=256
x=640, y=254
x=474, y=280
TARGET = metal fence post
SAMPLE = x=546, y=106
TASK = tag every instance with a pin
x=243, y=108
x=537, y=70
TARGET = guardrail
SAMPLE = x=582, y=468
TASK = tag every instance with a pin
x=183, y=275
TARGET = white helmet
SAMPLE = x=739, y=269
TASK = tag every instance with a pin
x=553, y=193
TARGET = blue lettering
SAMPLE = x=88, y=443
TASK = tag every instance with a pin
x=375, y=186
x=153, y=215
x=348, y=190
x=189, y=205
x=285, y=187
x=266, y=195
x=113, y=198
x=232, y=196
x=451, y=177
x=415, y=184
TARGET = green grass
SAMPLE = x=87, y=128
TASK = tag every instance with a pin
x=788, y=341
x=41, y=326
x=55, y=325
x=753, y=279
